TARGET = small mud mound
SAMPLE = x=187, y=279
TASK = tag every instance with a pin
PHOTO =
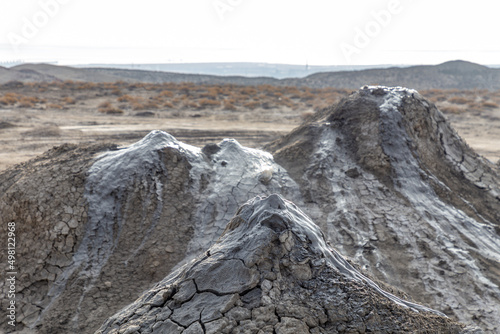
x=394, y=186
x=44, y=131
x=272, y=272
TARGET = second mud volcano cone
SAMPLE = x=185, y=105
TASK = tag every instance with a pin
x=272, y=271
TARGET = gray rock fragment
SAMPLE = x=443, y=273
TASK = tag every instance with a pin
x=167, y=326
x=194, y=329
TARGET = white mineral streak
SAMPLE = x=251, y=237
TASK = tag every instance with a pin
x=450, y=225
x=445, y=220
x=343, y=226
x=364, y=213
x=236, y=175
x=109, y=178
x=304, y=229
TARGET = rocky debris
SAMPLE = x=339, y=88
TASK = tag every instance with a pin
x=396, y=189
x=272, y=271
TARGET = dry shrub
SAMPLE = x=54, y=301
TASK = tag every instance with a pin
x=166, y=93
x=26, y=103
x=127, y=98
x=107, y=85
x=248, y=91
x=191, y=104
x=238, y=97
x=252, y=105
x=307, y=96
x=489, y=104
x=150, y=105
x=212, y=92
x=86, y=86
x=451, y=110
x=54, y=106
x=137, y=105
x=437, y=98
x=293, y=92
x=107, y=108
x=68, y=100
x=111, y=111
x=104, y=105
x=168, y=104
x=208, y=103
x=458, y=100
x=474, y=105
x=228, y=105
x=141, y=105
x=116, y=91
x=9, y=98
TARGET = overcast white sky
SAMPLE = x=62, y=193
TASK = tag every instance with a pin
x=317, y=32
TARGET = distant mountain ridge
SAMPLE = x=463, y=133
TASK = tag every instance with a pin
x=456, y=74
x=246, y=69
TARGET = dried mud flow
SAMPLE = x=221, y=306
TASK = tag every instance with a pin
x=382, y=174
x=271, y=271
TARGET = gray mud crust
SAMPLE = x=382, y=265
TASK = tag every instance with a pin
x=272, y=272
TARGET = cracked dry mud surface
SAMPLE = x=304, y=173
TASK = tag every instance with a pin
x=137, y=213
x=384, y=176
x=271, y=271
x=395, y=188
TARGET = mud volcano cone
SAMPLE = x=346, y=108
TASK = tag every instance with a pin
x=98, y=225
x=395, y=188
x=272, y=272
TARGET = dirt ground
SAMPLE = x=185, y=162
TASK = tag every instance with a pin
x=481, y=131
x=35, y=131
x=35, y=118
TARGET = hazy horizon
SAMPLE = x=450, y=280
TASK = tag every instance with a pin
x=75, y=62
x=283, y=32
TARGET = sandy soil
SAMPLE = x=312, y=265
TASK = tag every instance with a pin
x=36, y=131
x=481, y=130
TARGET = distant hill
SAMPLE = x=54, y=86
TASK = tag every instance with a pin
x=456, y=74
x=246, y=69
x=46, y=72
x=453, y=74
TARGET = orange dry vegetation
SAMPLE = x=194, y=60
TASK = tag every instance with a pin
x=174, y=97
